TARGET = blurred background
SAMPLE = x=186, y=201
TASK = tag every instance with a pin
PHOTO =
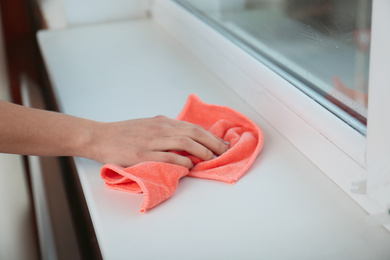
x=18, y=56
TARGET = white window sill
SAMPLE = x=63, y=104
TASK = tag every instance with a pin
x=135, y=69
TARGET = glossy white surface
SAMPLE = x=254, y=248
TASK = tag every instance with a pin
x=283, y=208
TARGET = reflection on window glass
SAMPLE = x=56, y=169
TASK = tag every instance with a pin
x=321, y=46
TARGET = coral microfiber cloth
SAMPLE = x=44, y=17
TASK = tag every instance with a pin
x=158, y=181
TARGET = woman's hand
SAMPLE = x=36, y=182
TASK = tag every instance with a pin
x=130, y=142
x=31, y=131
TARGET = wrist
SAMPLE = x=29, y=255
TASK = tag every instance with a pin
x=85, y=143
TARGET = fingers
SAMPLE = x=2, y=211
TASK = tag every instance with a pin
x=207, y=140
x=171, y=158
x=184, y=143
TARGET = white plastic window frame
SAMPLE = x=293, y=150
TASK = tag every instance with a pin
x=357, y=163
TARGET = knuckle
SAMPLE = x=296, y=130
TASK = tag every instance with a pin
x=184, y=142
x=168, y=157
x=197, y=132
x=159, y=125
x=160, y=118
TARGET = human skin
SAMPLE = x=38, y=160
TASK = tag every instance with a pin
x=30, y=131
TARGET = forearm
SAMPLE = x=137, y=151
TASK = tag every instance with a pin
x=37, y=132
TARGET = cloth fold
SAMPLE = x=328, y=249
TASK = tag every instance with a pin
x=158, y=181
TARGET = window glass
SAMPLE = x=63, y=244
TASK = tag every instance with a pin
x=320, y=46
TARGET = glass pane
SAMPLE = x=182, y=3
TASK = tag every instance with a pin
x=321, y=46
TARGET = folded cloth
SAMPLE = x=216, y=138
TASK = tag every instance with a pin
x=158, y=181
